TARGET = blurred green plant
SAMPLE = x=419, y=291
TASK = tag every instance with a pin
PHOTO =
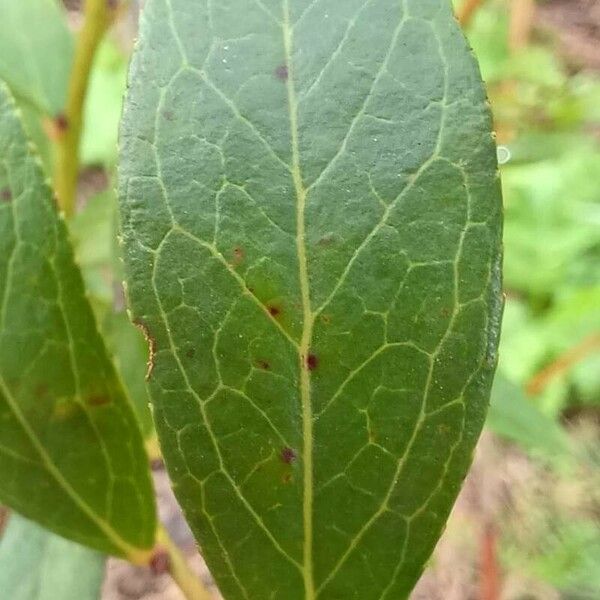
x=548, y=119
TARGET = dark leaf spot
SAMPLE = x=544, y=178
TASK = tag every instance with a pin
x=312, y=362
x=157, y=464
x=61, y=122
x=160, y=562
x=6, y=195
x=287, y=478
x=288, y=456
x=238, y=256
x=326, y=319
x=98, y=400
x=190, y=353
x=168, y=115
x=264, y=365
x=41, y=390
x=274, y=311
x=282, y=72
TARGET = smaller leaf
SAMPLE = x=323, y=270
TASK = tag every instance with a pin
x=71, y=452
x=94, y=232
x=130, y=352
x=38, y=565
x=103, y=106
x=514, y=417
x=36, y=49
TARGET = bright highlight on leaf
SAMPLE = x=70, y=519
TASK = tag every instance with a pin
x=71, y=453
x=311, y=215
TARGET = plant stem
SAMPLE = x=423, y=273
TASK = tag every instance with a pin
x=490, y=572
x=563, y=364
x=522, y=13
x=188, y=582
x=98, y=16
x=467, y=11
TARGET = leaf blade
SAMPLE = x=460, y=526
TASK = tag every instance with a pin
x=70, y=448
x=35, y=75
x=38, y=565
x=334, y=192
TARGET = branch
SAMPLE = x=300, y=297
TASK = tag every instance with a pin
x=490, y=572
x=522, y=13
x=98, y=16
x=563, y=363
x=467, y=11
x=168, y=558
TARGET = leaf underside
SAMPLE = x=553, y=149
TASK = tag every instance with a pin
x=71, y=453
x=311, y=215
x=38, y=565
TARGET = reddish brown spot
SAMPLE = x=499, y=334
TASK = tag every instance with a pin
x=264, y=365
x=190, y=353
x=238, y=256
x=312, y=362
x=6, y=195
x=41, y=390
x=98, y=400
x=61, y=123
x=288, y=456
x=326, y=319
x=160, y=562
x=274, y=311
x=282, y=72
x=157, y=464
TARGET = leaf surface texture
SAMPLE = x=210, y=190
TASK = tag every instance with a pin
x=71, y=452
x=311, y=215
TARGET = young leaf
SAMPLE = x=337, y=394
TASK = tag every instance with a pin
x=311, y=216
x=36, y=49
x=71, y=453
x=513, y=416
x=38, y=565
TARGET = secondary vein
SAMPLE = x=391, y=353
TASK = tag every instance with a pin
x=308, y=317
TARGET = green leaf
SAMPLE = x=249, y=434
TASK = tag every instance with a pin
x=103, y=106
x=36, y=49
x=130, y=352
x=71, y=453
x=93, y=230
x=513, y=416
x=311, y=216
x=38, y=565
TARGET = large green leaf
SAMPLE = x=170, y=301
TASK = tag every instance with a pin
x=71, y=453
x=36, y=49
x=38, y=565
x=311, y=218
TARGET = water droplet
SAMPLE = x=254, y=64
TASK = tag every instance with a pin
x=504, y=155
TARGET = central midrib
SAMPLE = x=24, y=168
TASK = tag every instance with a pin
x=308, y=317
